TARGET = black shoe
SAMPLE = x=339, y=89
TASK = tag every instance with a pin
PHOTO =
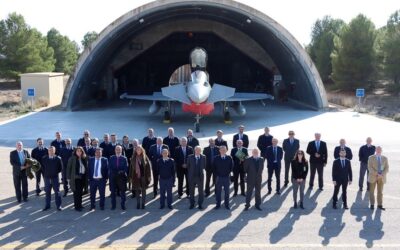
x=26, y=199
x=112, y=208
x=372, y=207
x=59, y=209
x=85, y=192
x=138, y=206
x=278, y=192
x=65, y=194
x=360, y=190
x=92, y=208
x=179, y=196
x=321, y=189
x=38, y=192
x=246, y=207
x=334, y=206
x=345, y=207
x=217, y=207
x=143, y=206
x=161, y=207
x=243, y=194
x=235, y=194
x=269, y=192
x=101, y=208
x=227, y=207
x=207, y=194
x=191, y=207
x=170, y=207
x=295, y=205
x=381, y=208
x=123, y=208
x=286, y=184
x=301, y=205
x=78, y=209
x=200, y=207
x=258, y=208
x=46, y=208
x=310, y=187
x=19, y=201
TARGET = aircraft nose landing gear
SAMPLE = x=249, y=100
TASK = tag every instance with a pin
x=197, y=123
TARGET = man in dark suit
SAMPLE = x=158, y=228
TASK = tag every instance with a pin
x=149, y=140
x=238, y=154
x=106, y=146
x=155, y=153
x=87, y=146
x=363, y=154
x=253, y=167
x=181, y=155
x=171, y=141
x=219, y=141
x=263, y=142
x=52, y=167
x=98, y=175
x=95, y=145
x=37, y=153
x=318, y=158
x=82, y=141
x=65, y=154
x=118, y=167
x=210, y=152
x=196, y=165
x=192, y=141
x=241, y=136
x=113, y=144
x=341, y=177
x=290, y=146
x=17, y=160
x=223, y=166
x=166, y=171
x=274, y=158
x=58, y=143
x=342, y=146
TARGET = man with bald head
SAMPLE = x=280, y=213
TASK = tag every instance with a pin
x=253, y=167
x=318, y=158
x=363, y=154
x=17, y=160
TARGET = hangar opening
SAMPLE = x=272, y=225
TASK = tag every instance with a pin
x=140, y=51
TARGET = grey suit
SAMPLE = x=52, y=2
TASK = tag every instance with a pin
x=290, y=150
x=196, y=177
x=254, y=169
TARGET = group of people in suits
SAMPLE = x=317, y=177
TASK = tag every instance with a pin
x=131, y=165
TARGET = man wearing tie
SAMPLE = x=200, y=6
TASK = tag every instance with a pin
x=171, y=141
x=274, y=157
x=87, y=146
x=118, y=165
x=52, y=167
x=253, y=167
x=149, y=140
x=192, y=141
x=181, y=155
x=363, y=154
x=166, y=171
x=155, y=154
x=263, y=142
x=38, y=153
x=65, y=153
x=223, y=166
x=106, y=146
x=82, y=141
x=58, y=143
x=241, y=136
x=318, y=158
x=17, y=160
x=219, y=141
x=98, y=174
x=378, y=168
x=196, y=164
x=342, y=176
x=342, y=146
x=239, y=154
x=93, y=148
x=290, y=146
x=210, y=152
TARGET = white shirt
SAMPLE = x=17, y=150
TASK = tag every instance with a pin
x=98, y=170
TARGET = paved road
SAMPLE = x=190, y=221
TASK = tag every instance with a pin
x=277, y=226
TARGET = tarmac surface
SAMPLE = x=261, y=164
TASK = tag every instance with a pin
x=278, y=225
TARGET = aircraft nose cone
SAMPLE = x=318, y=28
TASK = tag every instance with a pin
x=198, y=94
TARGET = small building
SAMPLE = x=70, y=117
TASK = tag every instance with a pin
x=46, y=85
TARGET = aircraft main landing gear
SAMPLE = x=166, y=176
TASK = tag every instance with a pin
x=197, y=123
x=167, y=117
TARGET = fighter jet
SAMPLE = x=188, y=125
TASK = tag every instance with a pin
x=197, y=95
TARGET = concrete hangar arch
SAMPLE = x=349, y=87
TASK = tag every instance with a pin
x=139, y=51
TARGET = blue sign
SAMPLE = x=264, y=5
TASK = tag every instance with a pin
x=31, y=92
x=360, y=92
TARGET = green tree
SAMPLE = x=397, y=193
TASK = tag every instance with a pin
x=390, y=49
x=65, y=51
x=354, y=57
x=25, y=49
x=88, y=38
x=321, y=46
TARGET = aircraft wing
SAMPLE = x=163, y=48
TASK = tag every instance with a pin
x=243, y=97
x=220, y=93
x=177, y=93
x=156, y=96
